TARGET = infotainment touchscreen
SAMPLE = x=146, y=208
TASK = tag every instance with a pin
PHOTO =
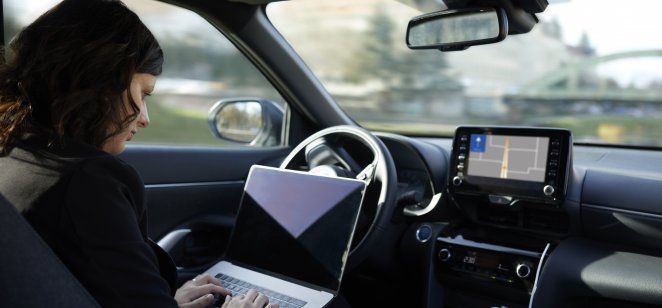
x=508, y=157
x=509, y=164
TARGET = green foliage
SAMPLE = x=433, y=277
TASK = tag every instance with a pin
x=399, y=68
x=608, y=128
x=172, y=126
x=191, y=59
x=380, y=58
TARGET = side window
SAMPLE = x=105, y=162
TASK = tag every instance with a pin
x=201, y=68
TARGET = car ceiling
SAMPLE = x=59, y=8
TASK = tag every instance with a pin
x=521, y=13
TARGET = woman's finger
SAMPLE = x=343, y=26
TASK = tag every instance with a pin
x=198, y=291
x=261, y=300
x=203, y=301
x=227, y=301
x=251, y=295
x=205, y=279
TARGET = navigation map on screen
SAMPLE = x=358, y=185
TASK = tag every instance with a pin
x=508, y=157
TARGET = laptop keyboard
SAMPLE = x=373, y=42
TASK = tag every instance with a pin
x=237, y=286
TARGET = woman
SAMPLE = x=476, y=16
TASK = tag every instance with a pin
x=72, y=92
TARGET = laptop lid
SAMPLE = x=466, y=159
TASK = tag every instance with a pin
x=296, y=224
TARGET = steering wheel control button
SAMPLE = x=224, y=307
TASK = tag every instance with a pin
x=423, y=233
x=523, y=270
x=548, y=190
x=444, y=255
x=457, y=181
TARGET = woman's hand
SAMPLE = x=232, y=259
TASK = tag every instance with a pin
x=199, y=292
x=252, y=299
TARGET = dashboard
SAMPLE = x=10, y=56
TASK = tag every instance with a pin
x=526, y=219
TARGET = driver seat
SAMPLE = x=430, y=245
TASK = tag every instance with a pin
x=31, y=275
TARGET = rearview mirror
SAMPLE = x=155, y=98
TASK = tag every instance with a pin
x=457, y=29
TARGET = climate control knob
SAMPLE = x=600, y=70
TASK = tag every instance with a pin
x=444, y=255
x=457, y=181
x=523, y=270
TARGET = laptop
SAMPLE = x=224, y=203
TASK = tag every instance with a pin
x=291, y=237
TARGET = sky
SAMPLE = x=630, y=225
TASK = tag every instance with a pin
x=608, y=24
x=612, y=29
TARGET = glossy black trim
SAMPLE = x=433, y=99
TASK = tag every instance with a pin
x=501, y=17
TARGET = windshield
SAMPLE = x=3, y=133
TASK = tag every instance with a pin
x=591, y=66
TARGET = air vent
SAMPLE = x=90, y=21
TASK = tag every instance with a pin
x=497, y=216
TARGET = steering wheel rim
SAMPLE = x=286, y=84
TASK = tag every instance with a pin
x=380, y=170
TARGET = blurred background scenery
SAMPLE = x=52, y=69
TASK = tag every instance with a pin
x=599, y=75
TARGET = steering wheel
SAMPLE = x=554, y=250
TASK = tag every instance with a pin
x=350, y=151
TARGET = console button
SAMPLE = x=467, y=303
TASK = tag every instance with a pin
x=423, y=233
x=548, y=190
x=444, y=255
x=523, y=270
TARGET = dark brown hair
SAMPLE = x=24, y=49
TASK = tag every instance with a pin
x=66, y=73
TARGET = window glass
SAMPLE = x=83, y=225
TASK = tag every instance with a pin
x=201, y=67
x=595, y=71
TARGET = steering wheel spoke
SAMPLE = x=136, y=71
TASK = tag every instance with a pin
x=323, y=152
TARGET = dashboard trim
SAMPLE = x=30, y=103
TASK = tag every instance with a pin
x=412, y=211
x=460, y=240
x=619, y=210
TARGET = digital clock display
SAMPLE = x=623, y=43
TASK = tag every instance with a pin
x=480, y=259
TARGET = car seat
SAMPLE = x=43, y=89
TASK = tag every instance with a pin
x=31, y=275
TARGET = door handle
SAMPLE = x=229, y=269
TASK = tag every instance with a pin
x=171, y=239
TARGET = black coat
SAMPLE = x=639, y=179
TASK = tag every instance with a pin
x=89, y=207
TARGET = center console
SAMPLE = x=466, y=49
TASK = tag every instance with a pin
x=509, y=183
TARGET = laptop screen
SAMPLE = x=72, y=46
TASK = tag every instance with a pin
x=296, y=224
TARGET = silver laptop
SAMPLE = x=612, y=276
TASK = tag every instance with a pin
x=291, y=237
